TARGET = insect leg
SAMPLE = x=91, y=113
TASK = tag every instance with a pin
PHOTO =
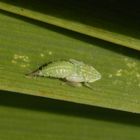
x=74, y=84
x=87, y=85
x=76, y=62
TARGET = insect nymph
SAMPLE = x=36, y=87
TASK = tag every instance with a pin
x=73, y=71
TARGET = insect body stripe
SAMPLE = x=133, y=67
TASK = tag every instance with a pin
x=61, y=69
x=58, y=71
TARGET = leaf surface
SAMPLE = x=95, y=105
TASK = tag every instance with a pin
x=25, y=45
x=34, y=118
x=113, y=21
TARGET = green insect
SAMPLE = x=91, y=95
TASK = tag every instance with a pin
x=73, y=71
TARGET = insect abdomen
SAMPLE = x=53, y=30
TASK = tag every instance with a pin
x=58, y=70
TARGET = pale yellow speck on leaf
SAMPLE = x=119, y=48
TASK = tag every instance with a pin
x=50, y=52
x=119, y=72
x=110, y=75
x=42, y=55
x=14, y=62
x=21, y=60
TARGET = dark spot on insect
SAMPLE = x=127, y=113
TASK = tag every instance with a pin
x=35, y=72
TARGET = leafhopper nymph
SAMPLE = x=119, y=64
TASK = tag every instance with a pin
x=73, y=71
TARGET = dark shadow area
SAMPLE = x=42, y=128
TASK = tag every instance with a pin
x=100, y=43
x=125, y=15
x=16, y=100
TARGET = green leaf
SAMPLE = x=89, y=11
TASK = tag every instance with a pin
x=106, y=20
x=25, y=45
x=33, y=118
